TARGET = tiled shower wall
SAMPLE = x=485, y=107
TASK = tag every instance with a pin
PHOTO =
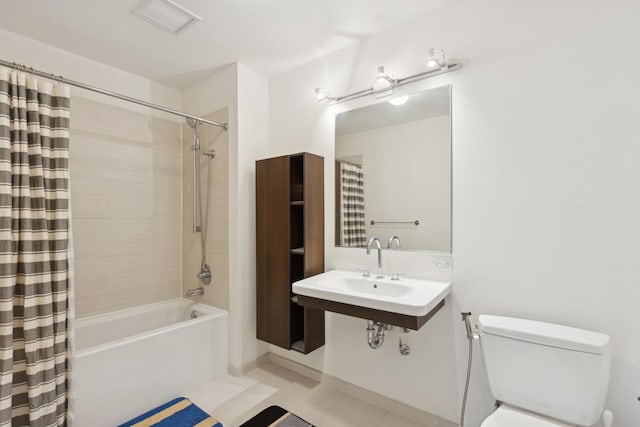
x=126, y=207
x=211, y=137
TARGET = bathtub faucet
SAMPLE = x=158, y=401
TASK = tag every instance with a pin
x=194, y=292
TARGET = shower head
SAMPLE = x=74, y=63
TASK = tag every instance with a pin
x=193, y=123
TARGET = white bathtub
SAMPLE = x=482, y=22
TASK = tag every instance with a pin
x=129, y=361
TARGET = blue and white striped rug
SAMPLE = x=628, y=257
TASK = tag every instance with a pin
x=180, y=412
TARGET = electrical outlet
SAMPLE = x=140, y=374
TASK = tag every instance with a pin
x=442, y=262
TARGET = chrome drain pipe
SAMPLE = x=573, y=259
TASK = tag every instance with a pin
x=376, y=339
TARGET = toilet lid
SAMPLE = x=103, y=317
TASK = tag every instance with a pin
x=506, y=416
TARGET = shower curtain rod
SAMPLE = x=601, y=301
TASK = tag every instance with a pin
x=61, y=79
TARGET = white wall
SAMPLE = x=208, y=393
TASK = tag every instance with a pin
x=214, y=181
x=212, y=94
x=545, y=166
x=407, y=177
x=245, y=93
x=253, y=134
x=125, y=180
x=47, y=58
x=426, y=379
x=125, y=170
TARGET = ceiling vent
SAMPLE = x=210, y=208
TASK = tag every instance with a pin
x=167, y=15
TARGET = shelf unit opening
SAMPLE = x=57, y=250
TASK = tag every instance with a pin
x=297, y=325
x=296, y=266
x=297, y=226
x=296, y=168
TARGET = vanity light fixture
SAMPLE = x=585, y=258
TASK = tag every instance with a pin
x=384, y=78
x=385, y=84
x=324, y=95
x=436, y=58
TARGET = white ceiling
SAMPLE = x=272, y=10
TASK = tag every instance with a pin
x=269, y=36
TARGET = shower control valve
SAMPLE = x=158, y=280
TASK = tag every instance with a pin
x=204, y=275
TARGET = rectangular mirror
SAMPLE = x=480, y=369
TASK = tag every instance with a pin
x=393, y=172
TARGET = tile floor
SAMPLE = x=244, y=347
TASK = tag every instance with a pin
x=233, y=400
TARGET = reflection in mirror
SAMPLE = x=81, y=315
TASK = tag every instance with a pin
x=393, y=173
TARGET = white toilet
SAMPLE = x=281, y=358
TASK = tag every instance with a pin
x=544, y=375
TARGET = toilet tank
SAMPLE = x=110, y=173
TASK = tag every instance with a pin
x=553, y=370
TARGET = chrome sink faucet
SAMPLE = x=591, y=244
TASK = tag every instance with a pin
x=371, y=240
x=391, y=240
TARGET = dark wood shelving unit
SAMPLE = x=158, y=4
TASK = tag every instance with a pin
x=289, y=247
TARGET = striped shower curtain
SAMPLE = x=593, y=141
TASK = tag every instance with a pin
x=353, y=232
x=34, y=236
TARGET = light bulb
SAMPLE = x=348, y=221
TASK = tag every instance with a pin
x=436, y=58
x=384, y=77
x=399, y=100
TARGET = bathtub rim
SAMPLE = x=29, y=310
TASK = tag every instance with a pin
x=213, y=312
